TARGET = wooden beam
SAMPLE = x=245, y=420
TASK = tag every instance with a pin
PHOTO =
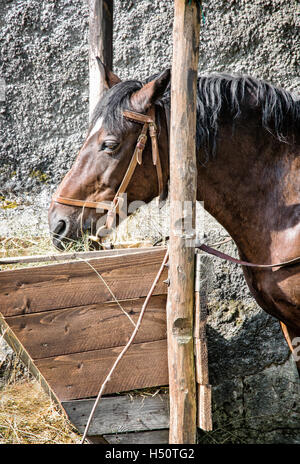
x=183, y=185
x=72, y=256
x=87, y=328
x=120, y=414
x=73, y=284
x=153, y=437
x=204, y=406
x=101, y=38
x=80, y=375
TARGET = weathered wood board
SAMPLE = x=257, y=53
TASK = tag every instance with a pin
x=123, y=419
x=23, y=355
x=120, y=414
x=60, y=286
x=80, y=375
x=153, y=437
x=72, y=329
x=78, y=329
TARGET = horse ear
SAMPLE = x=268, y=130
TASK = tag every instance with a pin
x=150, y=92
x=110, y=79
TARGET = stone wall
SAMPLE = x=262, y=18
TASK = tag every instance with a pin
x=43, y=122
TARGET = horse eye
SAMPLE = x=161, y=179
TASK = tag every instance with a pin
x=109, y=146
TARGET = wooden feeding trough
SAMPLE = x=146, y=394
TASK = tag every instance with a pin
x=68, y=322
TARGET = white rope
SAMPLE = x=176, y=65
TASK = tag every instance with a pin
x=108, y=377
x=110, y=291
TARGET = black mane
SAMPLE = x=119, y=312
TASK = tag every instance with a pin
x=223, y=96
x=219, y=96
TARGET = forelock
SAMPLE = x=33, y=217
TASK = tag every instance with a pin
x=111, y=106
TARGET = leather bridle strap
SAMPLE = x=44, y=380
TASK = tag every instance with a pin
x=136, y=159
x=148, y=121
x=81, y=203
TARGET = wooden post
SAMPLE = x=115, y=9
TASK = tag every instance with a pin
x=183, y=185
x=101, y=34
x=204, y=410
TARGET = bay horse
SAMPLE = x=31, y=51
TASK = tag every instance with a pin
x=248, y=160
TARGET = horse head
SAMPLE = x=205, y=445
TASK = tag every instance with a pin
x=102, y=162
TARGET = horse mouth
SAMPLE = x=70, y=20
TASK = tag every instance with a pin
x=65, y=236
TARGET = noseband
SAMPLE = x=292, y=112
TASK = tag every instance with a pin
x=114, y=207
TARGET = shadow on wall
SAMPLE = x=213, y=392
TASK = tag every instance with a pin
x=255, y=385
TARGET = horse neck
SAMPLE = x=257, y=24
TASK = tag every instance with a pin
x=245, y=188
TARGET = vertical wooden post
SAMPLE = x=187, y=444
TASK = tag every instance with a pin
x=204, y=412
x=183, y=184
x=101, y=35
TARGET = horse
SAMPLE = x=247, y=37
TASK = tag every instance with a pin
x=248, y=162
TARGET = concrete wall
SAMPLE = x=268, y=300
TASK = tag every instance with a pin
x=43, y=122
x=44, y=61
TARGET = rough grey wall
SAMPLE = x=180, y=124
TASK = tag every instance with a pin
x=44, y=61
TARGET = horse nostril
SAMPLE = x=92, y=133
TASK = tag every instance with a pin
x=59, y=234
x=60, y=229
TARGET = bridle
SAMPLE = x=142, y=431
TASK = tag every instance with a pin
x=115, y=206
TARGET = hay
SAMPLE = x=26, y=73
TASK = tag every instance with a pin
x=28, y=416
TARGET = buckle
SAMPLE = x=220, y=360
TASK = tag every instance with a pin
x=141, y=141
x=152, y=129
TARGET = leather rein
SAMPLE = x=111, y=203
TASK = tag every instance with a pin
x=114, y=207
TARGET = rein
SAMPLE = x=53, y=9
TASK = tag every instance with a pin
x=219, y=254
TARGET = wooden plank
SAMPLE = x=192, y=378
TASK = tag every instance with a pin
x=155, y=437
x=97, y=440
x=120, y=414
x=81, y=375
x=70, y=256
x=87, y=328
x=204, y=404
x=204, y=413
x=100, y=44
x=183, y=187
x=201, y=357
x=200, y=342
x=21, y=352
x=56, y=286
